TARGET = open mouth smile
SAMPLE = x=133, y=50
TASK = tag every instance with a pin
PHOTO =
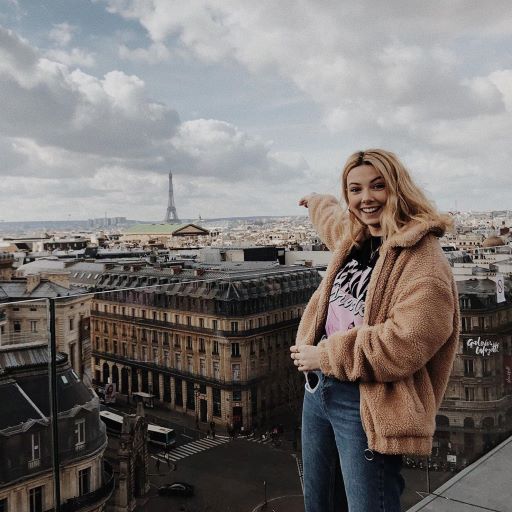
x=370, y=210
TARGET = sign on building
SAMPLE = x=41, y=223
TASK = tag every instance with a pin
x=500, y=288
x=481, y=346
x=110, y=393
x=507, y=369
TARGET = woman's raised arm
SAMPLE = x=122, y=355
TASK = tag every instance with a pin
x=327, y=217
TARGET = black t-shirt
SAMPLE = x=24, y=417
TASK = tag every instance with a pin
x=348, y=292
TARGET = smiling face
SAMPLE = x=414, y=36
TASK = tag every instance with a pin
x=367, y=195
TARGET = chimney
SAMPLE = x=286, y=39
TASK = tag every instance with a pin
x=33, y=282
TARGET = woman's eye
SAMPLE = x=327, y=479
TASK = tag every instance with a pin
x=379, y=186
x=353, y=190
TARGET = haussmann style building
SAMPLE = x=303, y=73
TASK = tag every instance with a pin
x=211, y=343
x=26, y=447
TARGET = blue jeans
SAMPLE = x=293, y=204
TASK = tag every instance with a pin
x=340, y=472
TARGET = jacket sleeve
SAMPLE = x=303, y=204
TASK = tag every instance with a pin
x=418, y=324
x=327, y=218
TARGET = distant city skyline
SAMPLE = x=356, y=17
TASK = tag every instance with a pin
x=250, y=104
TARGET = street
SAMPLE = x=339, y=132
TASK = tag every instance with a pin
x=238, y=475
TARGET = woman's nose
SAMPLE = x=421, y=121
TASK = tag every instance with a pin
x=366, y=195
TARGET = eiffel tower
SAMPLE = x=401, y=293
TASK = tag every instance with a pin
x=171, y=216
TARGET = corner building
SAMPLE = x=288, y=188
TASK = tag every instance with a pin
x=476, y=413
x=213, y=344
x=27, y=471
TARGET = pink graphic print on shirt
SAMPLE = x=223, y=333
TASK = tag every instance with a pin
x=346, y=302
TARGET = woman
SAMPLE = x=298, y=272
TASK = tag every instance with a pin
x=377, y=339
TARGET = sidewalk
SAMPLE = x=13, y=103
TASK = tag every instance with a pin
x=166, y=417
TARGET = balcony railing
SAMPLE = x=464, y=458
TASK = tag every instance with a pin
x=192, y=328
x=182, y=374
x=102, y=494
x=480, y=405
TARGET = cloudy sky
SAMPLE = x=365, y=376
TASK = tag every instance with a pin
x=250, y=103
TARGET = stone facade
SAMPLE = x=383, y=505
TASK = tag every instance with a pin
x=476, y=412
x=214, y=345
x=26, y=443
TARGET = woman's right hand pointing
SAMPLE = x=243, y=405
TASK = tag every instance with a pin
x=305, y=200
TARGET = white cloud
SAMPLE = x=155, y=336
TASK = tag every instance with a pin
x=73, y=57
x=62, y=33
x=93, y=140
x=415, y=77
x=154, y=54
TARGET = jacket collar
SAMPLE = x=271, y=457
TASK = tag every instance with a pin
x=410, y=234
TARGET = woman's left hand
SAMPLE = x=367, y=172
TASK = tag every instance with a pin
x=305, y=357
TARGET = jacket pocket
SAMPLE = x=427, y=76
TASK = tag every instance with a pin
x=399, y=409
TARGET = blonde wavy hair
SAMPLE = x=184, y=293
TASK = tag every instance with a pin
x=406, y=201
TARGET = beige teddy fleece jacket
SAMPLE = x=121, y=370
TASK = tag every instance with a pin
x=402, y=354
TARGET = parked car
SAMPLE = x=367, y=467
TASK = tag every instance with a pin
x=176, y=489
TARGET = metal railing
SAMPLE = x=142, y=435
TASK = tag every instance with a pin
x=102, y=494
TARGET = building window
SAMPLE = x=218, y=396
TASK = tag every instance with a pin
x=234, y=326
x=216, y=370
x=469, y=394
x=155, y=356
x=201, y=344
x=84, y=481
x=486, y=368
x=177, y=319
x=178, y=361
x=35, y=498
x=217, y=408
x=201, y=322
x=125, y=352
x=215, y=350
x=235, y=371
x=189, y=342
x=466, y=324
x=237, y=395
x=235, y=349
x=190, y=364
x=107, y=348
x=144, y=354
x=215, y=325
x=166, y=358
x=17, y=326
x=486, y=394
x=189, y=320
x=35, y=460
x=80, y=434
x=114, y=343
x=3, y=505
x=469, y=367
x=71, y=324
x=33, y=326
x=202, y=367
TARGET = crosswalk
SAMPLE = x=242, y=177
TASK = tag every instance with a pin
x=189, y=449
x=259, y=440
